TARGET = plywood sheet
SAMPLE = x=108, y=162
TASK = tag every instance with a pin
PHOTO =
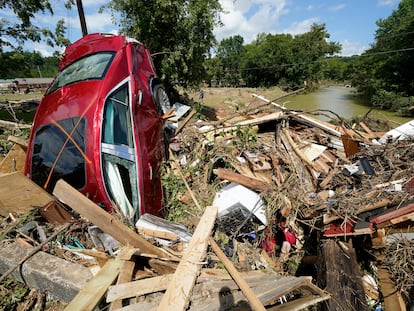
x=19, y=194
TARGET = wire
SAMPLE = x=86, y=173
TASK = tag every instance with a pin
x=318, y=61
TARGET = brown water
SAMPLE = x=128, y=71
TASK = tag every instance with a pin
x=339, y=100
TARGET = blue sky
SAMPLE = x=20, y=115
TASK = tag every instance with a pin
x=349, y=22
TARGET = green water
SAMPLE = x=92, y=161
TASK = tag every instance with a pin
x=339, y=100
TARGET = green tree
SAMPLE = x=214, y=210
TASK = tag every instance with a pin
x=393, y=49
x=288, y=61
x=230, y=52
x=178, y=33
x=22, y=28
x=309, y=49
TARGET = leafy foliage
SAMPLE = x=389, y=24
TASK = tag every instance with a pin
x=385, y=72
x=279, y=59
x=179, y=33
x=18, y=64
x=22, y=28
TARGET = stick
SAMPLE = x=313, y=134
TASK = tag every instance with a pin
x=177, y=166
x=255, y=303
x=34, y=251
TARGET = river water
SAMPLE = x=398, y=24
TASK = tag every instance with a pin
x=340, y=100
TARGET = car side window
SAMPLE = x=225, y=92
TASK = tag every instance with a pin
x=59, y=152
x=118, y=153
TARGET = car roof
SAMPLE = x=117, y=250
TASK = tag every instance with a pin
x=93, y=43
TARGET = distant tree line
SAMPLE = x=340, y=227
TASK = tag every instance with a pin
x=180, y=36
x=18, y=64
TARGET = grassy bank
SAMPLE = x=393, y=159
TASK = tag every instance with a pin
x=238, y=97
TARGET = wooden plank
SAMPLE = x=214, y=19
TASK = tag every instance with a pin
x=340, y=275
x=13, y=125
x=392, y=297
x=302, y=117
x=250, y=295
x=19, y=194
x=158, y=234
x=368, y=130
x=18, y=140
x=185, y=121
x=178, y=292
x=248, y=182
x=125, y=276
x=299, y=304
x=138, y=288
x=393, y=217
x=14, y=160
x=89, y=297
x=106, y=222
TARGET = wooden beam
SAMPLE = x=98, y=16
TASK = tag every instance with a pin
x=302, y=117
x=138, y=288
x=106, y=222
x=158, y=234
x=250, y=295
x=89, y=297
x=248, y=182
x=178, y=292
x=17, y=140
x=125, y=276
x=185, y=121
x=13, y=125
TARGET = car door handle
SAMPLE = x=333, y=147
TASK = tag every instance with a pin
x=150, y=170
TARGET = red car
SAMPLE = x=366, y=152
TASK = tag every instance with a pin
x=99, y=126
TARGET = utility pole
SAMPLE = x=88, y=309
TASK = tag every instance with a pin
x=82, y=17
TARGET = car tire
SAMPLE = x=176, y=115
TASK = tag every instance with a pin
x=161, y=98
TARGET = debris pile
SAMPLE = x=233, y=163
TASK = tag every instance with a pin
x=268, y=208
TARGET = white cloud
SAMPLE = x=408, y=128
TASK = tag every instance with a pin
x=301, y=27
x=248, y=18
x=352, y=48
x=98, y=22
x=93, y=3
x=338, y=7
x=387, y=2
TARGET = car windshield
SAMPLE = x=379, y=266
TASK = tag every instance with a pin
x=91, y=67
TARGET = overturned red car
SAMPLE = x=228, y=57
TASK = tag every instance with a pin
x=99, y=126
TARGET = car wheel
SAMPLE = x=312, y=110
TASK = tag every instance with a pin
x=161, y=99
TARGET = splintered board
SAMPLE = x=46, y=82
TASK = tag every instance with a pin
x=19, y=194
x=14, y=161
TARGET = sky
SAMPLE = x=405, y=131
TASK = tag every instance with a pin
x=349, y=22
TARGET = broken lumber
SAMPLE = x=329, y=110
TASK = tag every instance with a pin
x=89, y=297
x=125, y=276
x=340, y=275
x=185, y=121
x=17, y=140
x=392, y=297
x=254, y=302
x=14, y=160
x=179, y=290
x=138, y=288
x=106, y=222
x=13, y=125
x=248, y=182
x=302, y=117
